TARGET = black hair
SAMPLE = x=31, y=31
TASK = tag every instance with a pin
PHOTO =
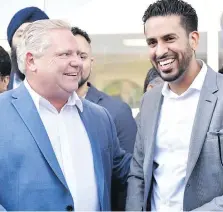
x=220, y=70
x=152, y=74
x=187, y=13
x=5, y=63
x=78, y=31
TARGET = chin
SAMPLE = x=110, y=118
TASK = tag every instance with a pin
x=171, y=78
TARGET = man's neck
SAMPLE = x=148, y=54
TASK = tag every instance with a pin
x=82, y=91
x=58, y=100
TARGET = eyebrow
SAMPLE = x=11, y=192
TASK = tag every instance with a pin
x=85, y=53
x=168, y=35
x=164, y=36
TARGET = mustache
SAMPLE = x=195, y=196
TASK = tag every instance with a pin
x=165, y=56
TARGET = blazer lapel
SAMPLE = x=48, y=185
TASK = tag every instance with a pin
x=90, y=126
x=202, y=119
x=25, y=106
x=149, y=124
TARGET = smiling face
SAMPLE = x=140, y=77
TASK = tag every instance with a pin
x=171, y=49
x=56, y=73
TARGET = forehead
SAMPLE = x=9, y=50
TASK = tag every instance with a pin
x=62, y=39
x=159, y=26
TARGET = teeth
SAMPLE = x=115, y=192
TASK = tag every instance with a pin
x=166, y=62
x=71, y=74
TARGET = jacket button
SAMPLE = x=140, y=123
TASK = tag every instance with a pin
x=188, y=185
x=69, y=208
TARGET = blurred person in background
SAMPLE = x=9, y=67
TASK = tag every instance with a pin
x=152, y=79
x=14, y=32
x=5, y=69
x=120, y=111
x=220, y=70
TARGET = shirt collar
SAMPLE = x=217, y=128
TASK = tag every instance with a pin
x=196, y=84
x=72, y=101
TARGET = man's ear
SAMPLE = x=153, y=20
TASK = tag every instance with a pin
x=92, y=61
x=194, y=40
x=6, y=80
x=30, y=62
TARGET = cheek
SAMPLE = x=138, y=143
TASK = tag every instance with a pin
x=86, y=69
x=151, y=54
x=1, y=84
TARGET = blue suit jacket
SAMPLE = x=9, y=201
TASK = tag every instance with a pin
x=121, y=114
x=30, y=176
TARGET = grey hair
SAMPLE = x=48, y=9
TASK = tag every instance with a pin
x=35, y=39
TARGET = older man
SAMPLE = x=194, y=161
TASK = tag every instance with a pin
x=58, y=152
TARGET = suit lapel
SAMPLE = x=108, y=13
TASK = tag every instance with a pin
x=150, y=118
x=202, y=119
x=25, y=107
x=90, y=125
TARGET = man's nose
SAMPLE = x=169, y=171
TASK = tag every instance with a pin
x=161, y=49
x=76, y=62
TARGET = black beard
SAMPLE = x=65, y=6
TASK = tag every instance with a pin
x=183, y=66
x=83, y=81
x=15, y=67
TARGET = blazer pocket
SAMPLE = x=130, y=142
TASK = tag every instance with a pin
x=218, y=137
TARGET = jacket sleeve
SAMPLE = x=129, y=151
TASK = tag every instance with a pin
x=126, y=127
x=121, y=159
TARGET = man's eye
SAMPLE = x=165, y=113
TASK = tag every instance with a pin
x=151, y=43
x=169, y=39
x=83, y=57
x=64, y=54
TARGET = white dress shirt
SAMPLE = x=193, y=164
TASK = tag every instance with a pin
x=172, y=145
x=72, y=148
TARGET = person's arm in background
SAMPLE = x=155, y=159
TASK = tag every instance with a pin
x=126, y=127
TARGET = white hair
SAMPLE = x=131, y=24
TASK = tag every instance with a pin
x=35, y=39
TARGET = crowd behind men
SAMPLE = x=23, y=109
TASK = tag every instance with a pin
x=65, y=145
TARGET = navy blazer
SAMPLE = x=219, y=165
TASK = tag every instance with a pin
x=31, y=178
x=121, y=114
x=11, y=81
